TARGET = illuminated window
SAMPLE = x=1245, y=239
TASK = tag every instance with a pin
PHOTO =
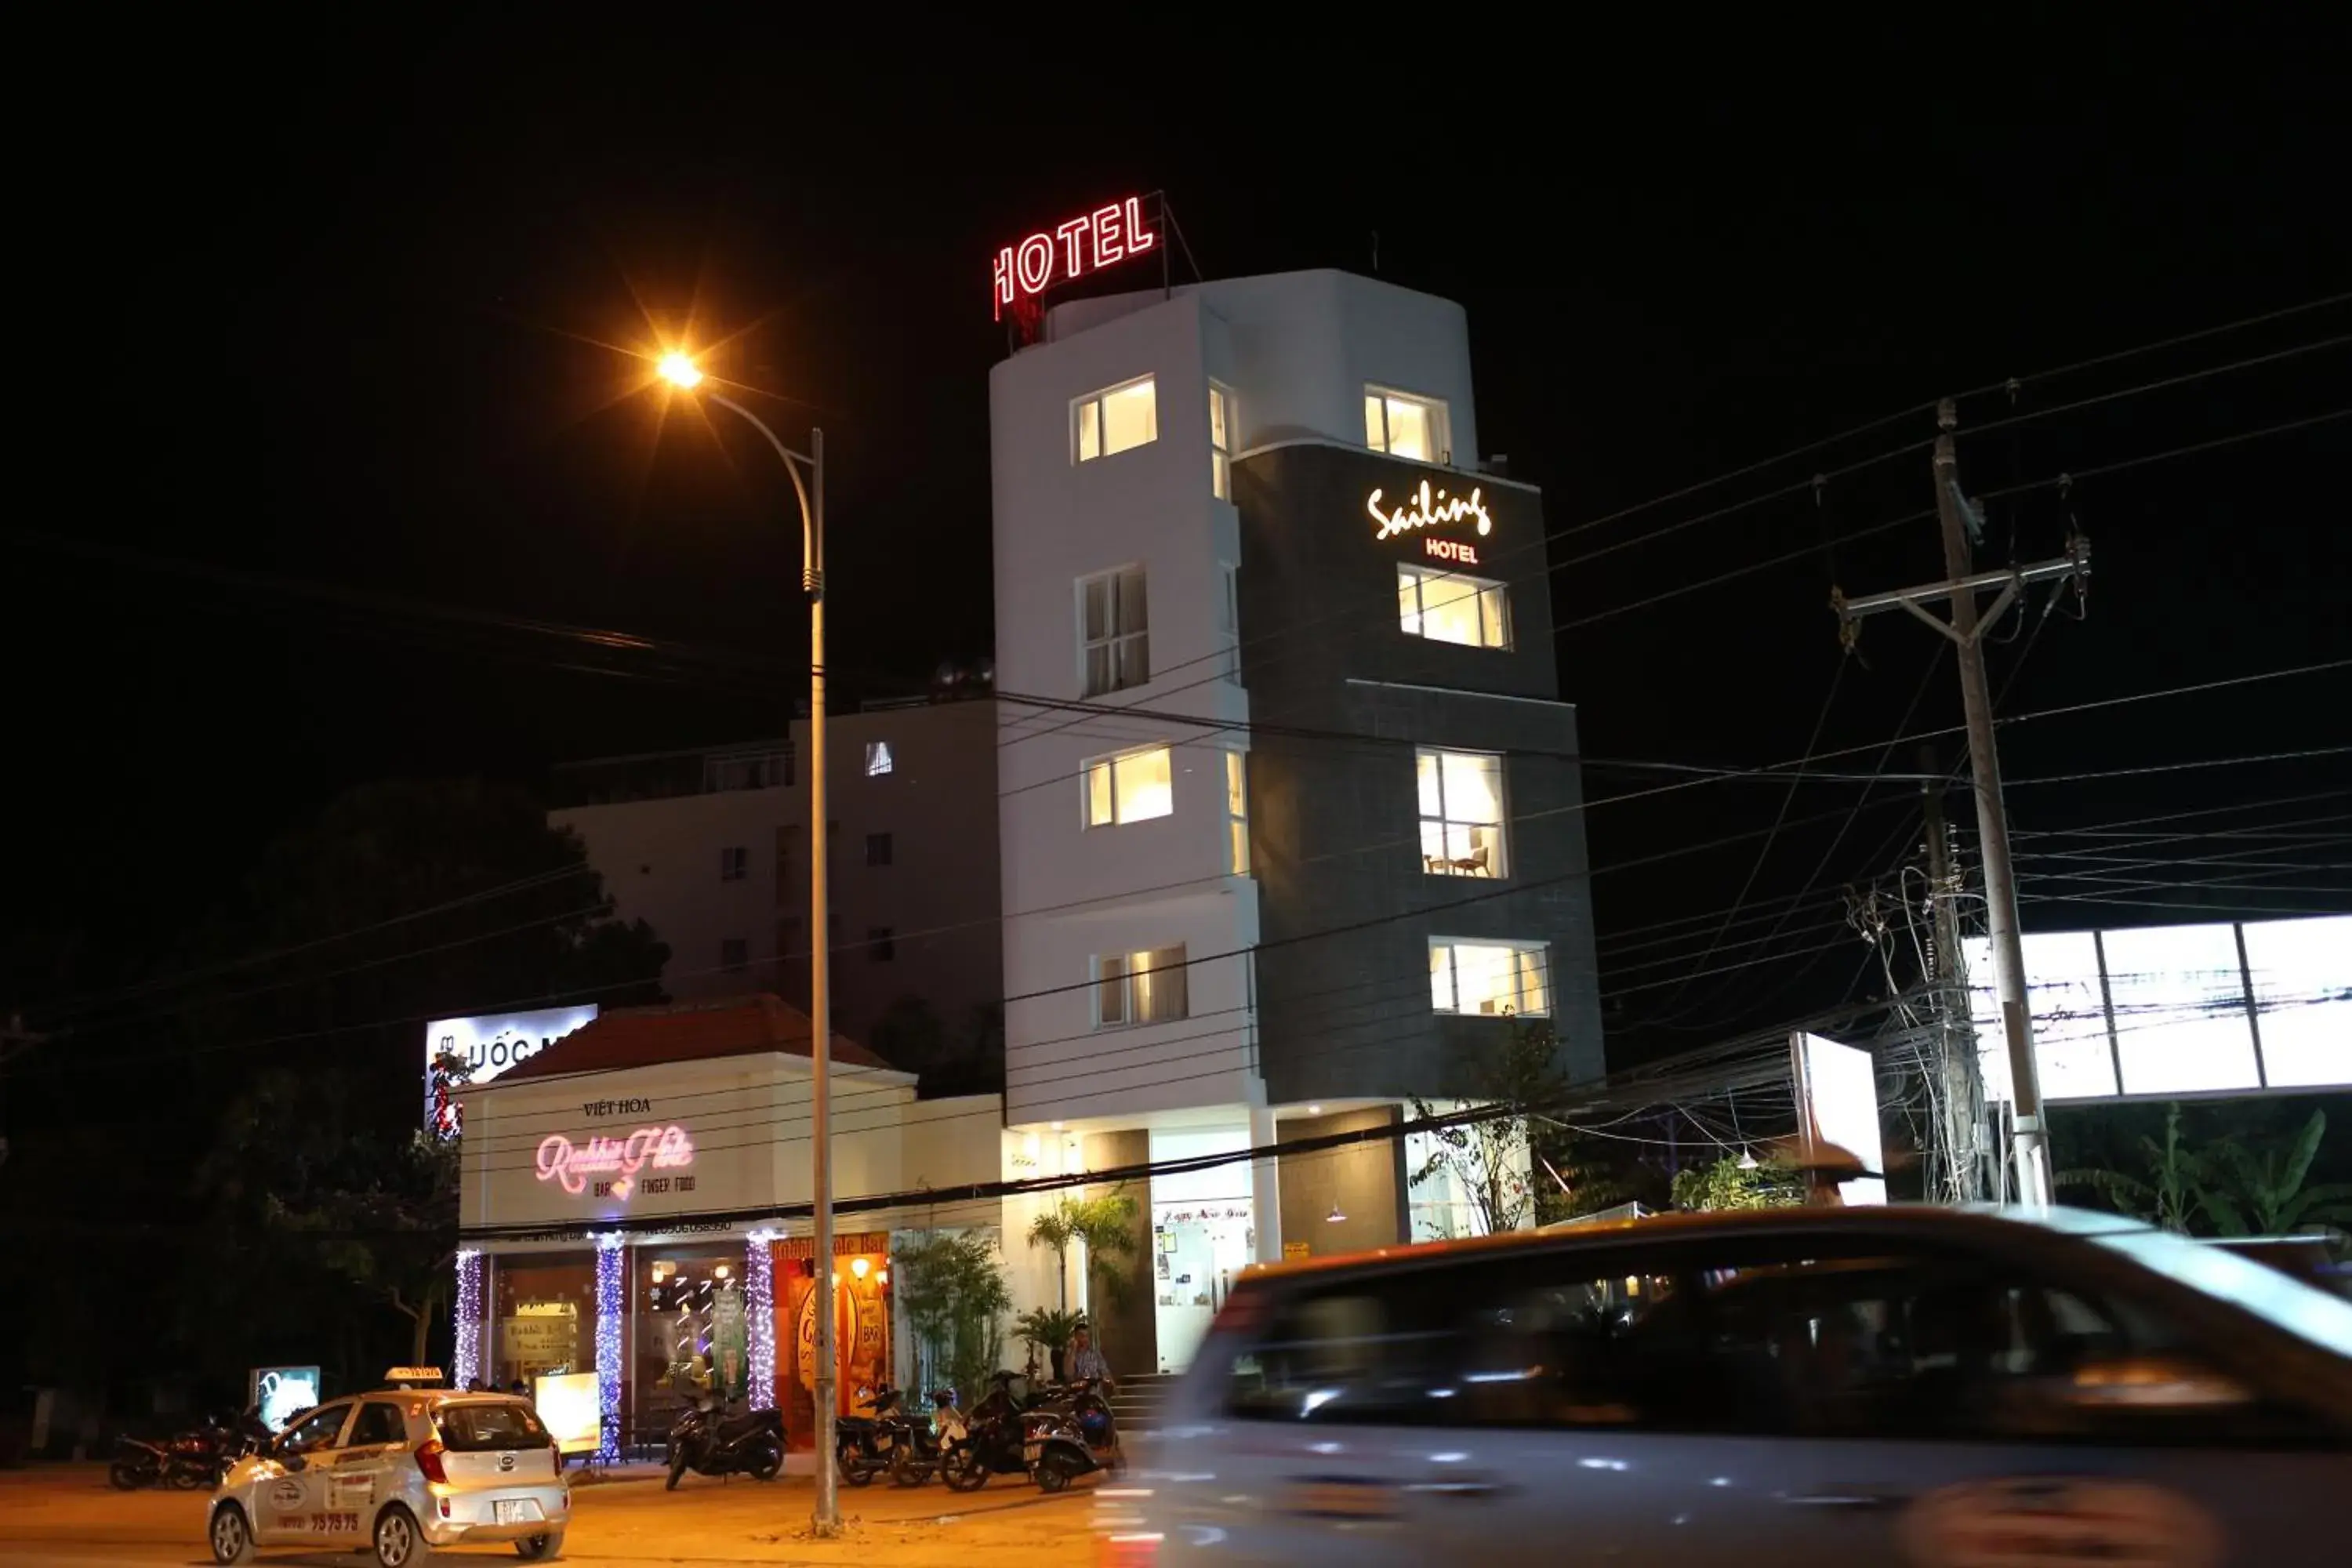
x=1461, y=813
x=734, y=863
x=878, y=760
x=1237, y=858
x=1139, y=987
x=1403, y=426
x=1221, y=442
x=1497, y=979
x=1116, y=419
x=1114, y=632
x=1129, y=787
x=1446, y=606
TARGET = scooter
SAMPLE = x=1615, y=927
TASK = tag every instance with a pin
x=863, y=1445
x=921, y=1442
x=992, y=1441
x=1074, y=1437
x=709, y=1442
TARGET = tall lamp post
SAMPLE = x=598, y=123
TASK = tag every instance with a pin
x=682, y=372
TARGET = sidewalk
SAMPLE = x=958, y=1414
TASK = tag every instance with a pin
x=624, y=1517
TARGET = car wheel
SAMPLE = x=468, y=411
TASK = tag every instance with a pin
x=398, y=1542
x=232, y=1540
x=541, y=1548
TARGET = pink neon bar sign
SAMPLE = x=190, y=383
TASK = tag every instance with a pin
x=1070, y=250
x=570, y=1165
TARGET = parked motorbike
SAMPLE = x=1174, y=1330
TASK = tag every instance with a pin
x=921, y=1442
x=137, y=1464
x=199, y=1459
x=1073, y=1435
x=993, y=1439
x=863, y=1444
x=710, y=1442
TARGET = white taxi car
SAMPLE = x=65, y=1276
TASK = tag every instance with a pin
x=398, y=1473
x=1933, y=1388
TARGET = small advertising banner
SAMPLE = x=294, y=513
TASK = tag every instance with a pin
x=281, y=1392
x=731, y=1345
x=541, y=1337
x=568, y=1408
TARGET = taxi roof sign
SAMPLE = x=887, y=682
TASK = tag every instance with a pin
x=403, y=1376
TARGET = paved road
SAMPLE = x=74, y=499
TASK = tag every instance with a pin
x=69, y=1517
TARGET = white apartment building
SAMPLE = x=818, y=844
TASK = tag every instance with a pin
x=710, y=848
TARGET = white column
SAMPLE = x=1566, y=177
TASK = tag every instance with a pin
x=1266, y=1186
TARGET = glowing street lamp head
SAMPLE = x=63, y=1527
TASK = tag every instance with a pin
x=680, y=371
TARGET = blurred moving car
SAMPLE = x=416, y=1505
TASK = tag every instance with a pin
x=397, y=1473
x=2310, y=1258
x=1767, y=1389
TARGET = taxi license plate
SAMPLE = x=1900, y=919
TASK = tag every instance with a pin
x=514, y=1510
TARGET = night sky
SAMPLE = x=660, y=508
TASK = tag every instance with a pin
x=358, y=311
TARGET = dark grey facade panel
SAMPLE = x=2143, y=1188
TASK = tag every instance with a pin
x=1335, y=822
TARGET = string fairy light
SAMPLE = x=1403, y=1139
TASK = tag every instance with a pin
x=467, y=1363
x=760, y=1313
x=609, y=1282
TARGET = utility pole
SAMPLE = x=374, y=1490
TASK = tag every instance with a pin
x=1963, y=1082
x=2030, y=1139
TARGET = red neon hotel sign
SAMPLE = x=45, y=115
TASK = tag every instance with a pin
x=570, y=1165
x=1086, y=243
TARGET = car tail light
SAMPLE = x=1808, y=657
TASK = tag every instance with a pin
x=1127, y=1551
x=428, y=1459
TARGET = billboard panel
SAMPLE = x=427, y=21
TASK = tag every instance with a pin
x=1837, y=1113
x=2216, y=1008
x=485, y=1047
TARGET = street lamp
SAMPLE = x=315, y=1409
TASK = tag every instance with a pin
x=680, y=370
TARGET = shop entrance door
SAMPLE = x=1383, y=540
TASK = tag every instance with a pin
x=1197, y=1250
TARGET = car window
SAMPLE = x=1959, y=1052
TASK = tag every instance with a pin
x=1926, y=1345
x=378, y=1423
x=477, y=1428
x=1536, y=1339
x=317, y=1430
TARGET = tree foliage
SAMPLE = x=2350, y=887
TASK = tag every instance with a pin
x=1104, y=1224
x=951, y=1285
x=400, y=902
x=1490, y=1159
x=2223, y=1187
x=1727, y=1183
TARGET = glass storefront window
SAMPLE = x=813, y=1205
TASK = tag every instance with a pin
x=692, y=1338
x=543, y=1317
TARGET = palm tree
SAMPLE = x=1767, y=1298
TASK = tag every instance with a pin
x=1107, y=1226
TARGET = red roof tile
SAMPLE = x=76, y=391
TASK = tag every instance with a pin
x=683, y=1032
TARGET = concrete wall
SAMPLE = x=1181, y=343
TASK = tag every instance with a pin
x=1366, y=1181
x=1071, y=893
x=1125, y=1330
x=660, y=861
